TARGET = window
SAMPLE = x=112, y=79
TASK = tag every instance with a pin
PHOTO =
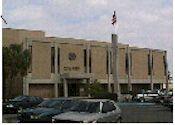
x=30, y=65
x=85, y=63
x=111, y=62
x=52, y=60
x=165, y=65
x=90, y=70
x=149, y=65
x=58, y=60
x=126, y=63
x=131, y=62
x=108, y=107
x=107, y=62
x=152, y=64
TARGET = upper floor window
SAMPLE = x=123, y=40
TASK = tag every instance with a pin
x=85, y=60
x=107, y=62
x=111, y=65
x=126, y=63
x=52, y=60
x=165, y=65
x=152, y=64
x=149, y=65
x=131, y=63
x=90, y=65
x=30, y=66
x=58, y=60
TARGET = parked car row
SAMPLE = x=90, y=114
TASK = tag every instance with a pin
x=162, y=97
x=65, y=110
x=165, y=99
x=20, y=102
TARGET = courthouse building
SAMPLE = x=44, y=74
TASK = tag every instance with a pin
x=62, y=66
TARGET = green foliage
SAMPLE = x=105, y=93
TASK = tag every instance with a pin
x=94, y=88
x=15, y=60
x=15, y=63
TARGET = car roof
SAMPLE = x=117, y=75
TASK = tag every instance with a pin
x=96, y=100
x=61, y=98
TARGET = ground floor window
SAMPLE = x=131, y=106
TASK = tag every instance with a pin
x=157, y=86
x=137, y=88
x=124, y=88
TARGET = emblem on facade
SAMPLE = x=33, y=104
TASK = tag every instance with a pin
x=72, y=56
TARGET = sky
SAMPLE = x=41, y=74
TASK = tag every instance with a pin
x=142, y=23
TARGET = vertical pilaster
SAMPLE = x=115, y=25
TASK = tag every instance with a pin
x=24, y=85
x=109, y=69
x=151, y=75
x=129, y=69
x=65, y=86
x=56, y=89
x=166, y=68
x=27, y=88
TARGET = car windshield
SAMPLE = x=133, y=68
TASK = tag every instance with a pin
x=19, y=98
x=68, y=104
x=45, y=103
x=84, y=106
x=64, y=104
x=55, y=103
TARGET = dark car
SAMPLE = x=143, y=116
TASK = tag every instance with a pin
x=21, y=102
x=90, y=111
x=46, y=110
x=170, y=103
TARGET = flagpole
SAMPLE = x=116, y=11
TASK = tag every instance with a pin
x=115, y=59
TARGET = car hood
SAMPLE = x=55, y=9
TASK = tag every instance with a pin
x=39, y=111
x=14, y=103
x=78, y=116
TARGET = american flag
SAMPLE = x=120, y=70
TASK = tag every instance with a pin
x=114, y=19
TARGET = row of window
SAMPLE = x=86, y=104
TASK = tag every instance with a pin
x=108, y=57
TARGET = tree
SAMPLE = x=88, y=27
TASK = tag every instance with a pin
x=15, y=62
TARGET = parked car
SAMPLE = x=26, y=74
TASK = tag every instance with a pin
x=170, y=103
x=21, y=102
x=90, y=111
x=46, y=110
x=164, y=99
x=148, y=96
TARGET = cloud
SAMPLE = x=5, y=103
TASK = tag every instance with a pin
x=143, y=23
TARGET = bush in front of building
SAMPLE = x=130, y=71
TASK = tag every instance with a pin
x=107, y=95
x=95, y=90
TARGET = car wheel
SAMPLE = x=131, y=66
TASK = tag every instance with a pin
x=119, y=120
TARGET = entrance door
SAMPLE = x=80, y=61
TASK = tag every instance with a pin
x=73, y=89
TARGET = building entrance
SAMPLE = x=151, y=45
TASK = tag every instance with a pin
x=74, y=87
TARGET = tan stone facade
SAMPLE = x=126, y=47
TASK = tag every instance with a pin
x=59, y=64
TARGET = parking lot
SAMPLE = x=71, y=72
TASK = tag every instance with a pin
x=145, y=113
x=131, y=113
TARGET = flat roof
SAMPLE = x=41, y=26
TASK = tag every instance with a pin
x=79, y=40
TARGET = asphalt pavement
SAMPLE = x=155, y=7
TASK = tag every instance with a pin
x=131, y=113
x=145, y=113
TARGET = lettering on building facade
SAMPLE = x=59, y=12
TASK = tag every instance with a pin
x=75, y=68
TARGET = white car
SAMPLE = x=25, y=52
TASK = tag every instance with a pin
x=90, y=111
